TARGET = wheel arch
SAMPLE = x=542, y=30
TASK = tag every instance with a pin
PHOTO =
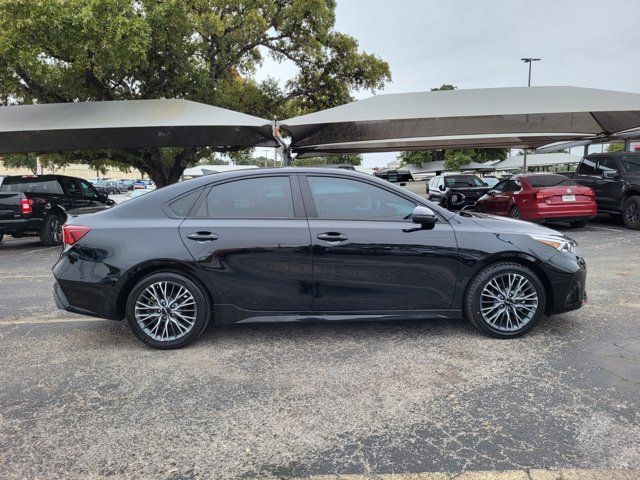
x=141, y=271
x=630, y=192
x=521, y=259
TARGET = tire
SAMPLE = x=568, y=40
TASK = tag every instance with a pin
x=146, y=322
x=476, y=299
x=578, y=224
x=515, y=213
x=1, y=237
x=51, y=233
x=631, y=212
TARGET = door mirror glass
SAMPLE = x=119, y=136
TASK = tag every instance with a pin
x=610, y=175
x=424, y=216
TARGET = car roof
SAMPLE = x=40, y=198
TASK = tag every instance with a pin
x=613, y=154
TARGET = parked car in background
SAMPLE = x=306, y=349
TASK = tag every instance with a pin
x=308, y=243
x=490, y=181
x=393, y=176
x=615, y=179
x=136, y=194
x=40, y=204
x=541, y=197
x=456, y=191
x=138, y=184
x=125, y=184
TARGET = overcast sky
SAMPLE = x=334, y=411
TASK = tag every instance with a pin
x=475, y=44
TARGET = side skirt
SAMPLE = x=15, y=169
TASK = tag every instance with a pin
x=229, y=314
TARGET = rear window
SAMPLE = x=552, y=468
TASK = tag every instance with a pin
x=550, y=181
x=31, y=185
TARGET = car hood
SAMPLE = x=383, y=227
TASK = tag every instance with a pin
x=508, y=224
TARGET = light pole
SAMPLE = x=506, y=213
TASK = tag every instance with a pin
x=530, y=61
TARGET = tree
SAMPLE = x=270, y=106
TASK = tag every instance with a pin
x=453, y=158
x=615, y=147
x=30, y=161
x=344, y=159
x=202, y=50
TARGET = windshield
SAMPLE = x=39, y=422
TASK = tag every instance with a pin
x=461, y=181
x=551, y=180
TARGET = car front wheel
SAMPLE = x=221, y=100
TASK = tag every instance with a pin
x=167, y=310
x=505, y=300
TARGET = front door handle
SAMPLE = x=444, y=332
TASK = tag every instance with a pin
x=332, y=237
x=202, y=236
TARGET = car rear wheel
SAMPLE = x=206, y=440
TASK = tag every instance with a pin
x=578, y=224
x=167, y=310
x=51, y=233
x=631, y=212
x=505, y=300
x=515, y=212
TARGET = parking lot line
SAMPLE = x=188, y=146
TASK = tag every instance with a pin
x=617, y=230
x=50, y=320
x=533, y=474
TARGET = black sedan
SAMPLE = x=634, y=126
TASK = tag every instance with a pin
x=296, y=244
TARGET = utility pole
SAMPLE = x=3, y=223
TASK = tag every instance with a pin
x=530, y=61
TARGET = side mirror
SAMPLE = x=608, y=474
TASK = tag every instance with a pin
x=424, y=216
x=441, y=187
x=610, y=174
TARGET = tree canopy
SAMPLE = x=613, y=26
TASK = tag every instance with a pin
x=202, y=50
x=344, y=159
x=453, y=158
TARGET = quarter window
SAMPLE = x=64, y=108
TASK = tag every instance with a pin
x=265, y=197
x=344, y=199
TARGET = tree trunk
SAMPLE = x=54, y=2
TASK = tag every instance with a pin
x=164, y=173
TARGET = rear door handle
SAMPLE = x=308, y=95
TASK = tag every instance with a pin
x=202, y=236
x=332, y=237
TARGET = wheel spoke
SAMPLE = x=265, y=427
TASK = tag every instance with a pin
x=508, y=302
x=165, y=311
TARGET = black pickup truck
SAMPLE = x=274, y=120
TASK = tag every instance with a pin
x=615, y=179
x=39, y=204
x=456, y=191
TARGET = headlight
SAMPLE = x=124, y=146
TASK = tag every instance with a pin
x=561, y=244
x=457, y=197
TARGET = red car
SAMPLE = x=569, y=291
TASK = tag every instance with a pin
x=541, y=197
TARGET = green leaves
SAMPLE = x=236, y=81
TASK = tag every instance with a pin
x=202, y=50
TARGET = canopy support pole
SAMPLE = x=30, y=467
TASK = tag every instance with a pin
x=286, y=150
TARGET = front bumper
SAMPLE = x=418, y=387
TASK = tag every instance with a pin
x=567, y=275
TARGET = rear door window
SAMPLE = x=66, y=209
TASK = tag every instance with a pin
x=263, y=197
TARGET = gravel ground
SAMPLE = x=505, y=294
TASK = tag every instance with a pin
x=81, y=398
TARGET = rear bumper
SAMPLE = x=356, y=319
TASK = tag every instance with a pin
x=560, y=212
x=10, y=226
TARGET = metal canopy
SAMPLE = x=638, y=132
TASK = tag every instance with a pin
x=127, y=124
x=525, y=117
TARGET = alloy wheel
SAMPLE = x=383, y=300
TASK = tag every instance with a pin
x=508, y=302
x=165, y=311
x=632, y=212
x=55, y=228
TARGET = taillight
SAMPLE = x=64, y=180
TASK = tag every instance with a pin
x=72, y=233
x=25, y=206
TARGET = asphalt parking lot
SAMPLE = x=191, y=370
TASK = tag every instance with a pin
x=82, y=398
